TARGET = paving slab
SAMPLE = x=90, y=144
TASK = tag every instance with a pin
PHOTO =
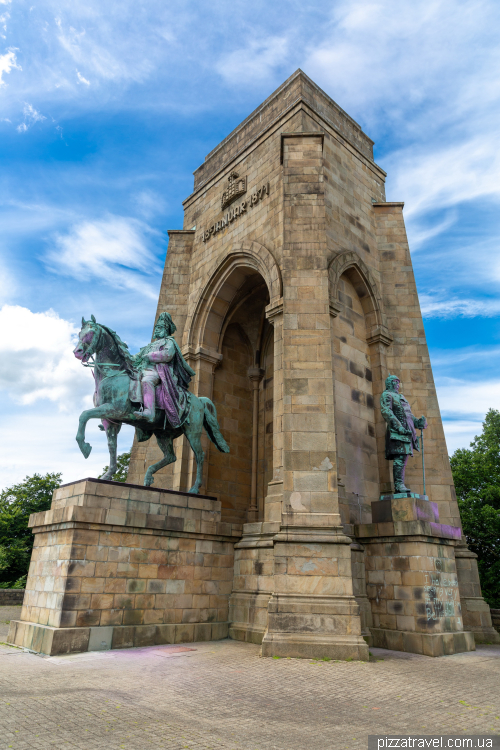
x=224, y=695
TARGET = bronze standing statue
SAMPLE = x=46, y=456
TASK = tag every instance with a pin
x=148, y=391
x=400, y=437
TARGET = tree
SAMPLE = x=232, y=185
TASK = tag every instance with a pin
x=122, y=462
x=476, y=473
x=32, y=495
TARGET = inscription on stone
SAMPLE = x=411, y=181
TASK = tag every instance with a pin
x=235, y=212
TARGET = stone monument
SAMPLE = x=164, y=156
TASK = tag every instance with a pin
x=292, y=289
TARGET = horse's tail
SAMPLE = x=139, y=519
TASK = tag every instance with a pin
x=212, y=426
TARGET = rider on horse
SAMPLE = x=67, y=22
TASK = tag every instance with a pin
x=164, y=374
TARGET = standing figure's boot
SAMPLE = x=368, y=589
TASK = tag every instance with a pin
x=148, y=394
x=398, y=471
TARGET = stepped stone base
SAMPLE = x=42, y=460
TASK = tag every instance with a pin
x=412, y=580
x=428, y=644
x=495, y=619
x=315, y=646
x=125, y=566
x=475, y=611
x=44, y=639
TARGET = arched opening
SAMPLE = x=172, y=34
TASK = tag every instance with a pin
x=236, y=327
x=354, y=400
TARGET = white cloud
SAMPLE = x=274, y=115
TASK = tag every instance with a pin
x=150, y=203
x=439, y=177
x=8, y=62
x=36, y=359
x=45, y=388
x=82, y=79
x=31, y=116
x=112, y=250
x=388, y=56
x=434, y=306
x=459, y=398
x=463, y=406
x=427, y=74
x=43, y=440
x=254, y=62
x=8, y=285
x=460, y=433
x=419, y=235
x=100, y=52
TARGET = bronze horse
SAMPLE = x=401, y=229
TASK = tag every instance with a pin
x=102, y=349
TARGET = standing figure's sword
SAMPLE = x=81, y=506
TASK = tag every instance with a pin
x=422, y=448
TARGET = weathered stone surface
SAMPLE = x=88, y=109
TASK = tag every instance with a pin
x=293, y=303
x=129, y=573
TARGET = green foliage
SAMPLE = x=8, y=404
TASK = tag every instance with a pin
x=123, y=462
x=32, y=495
x=476, y=473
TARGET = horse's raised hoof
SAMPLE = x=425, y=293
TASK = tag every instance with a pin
x=85, y=448
x=148, y=480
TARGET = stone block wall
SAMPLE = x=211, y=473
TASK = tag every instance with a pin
x=411, y=578
x=229, y=476
x=11, y=597
x=476, y=613
x=143, y=564
x=332, y=256
x=253, y=582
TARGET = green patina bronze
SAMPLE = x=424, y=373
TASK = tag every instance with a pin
x=148, y=391
x=400, y=437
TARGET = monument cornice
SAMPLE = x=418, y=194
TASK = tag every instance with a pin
x=207, y=355
x=273, y=310
x=265, y=104
x=271, y=128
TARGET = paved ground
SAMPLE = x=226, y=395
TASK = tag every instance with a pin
x=222, y=695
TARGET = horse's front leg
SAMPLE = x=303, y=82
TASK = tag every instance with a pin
x=199, y=454
x=112, y=431
x=100, y=412
x=166, y=446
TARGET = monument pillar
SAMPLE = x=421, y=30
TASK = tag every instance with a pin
x=312, y=611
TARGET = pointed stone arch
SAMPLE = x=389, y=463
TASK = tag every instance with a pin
x=205, y=326
x=350, y=264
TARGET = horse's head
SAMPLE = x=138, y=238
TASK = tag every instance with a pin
x=88, y=340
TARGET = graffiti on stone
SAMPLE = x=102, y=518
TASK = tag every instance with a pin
x=441, y=596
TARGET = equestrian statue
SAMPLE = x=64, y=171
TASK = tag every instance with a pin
x=148, y=391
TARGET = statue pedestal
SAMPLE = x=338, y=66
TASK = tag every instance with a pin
x=412, y=578
x=117, y=565
x=313, y=612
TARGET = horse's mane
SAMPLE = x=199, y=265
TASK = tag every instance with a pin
x=123, y=351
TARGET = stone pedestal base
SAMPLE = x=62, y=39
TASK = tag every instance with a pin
x=314, y=627
x=253, y=582
x=475, y=611
x=248, y=613
x=116, y=566
x=312, y=611
x=412, y=578
x=52, y=641
x=428, y=644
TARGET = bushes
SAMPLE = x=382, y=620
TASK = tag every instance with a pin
x=123, y=462
x=32, y=495
x=476, y=473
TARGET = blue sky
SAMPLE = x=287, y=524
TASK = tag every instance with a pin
x=106, y=110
